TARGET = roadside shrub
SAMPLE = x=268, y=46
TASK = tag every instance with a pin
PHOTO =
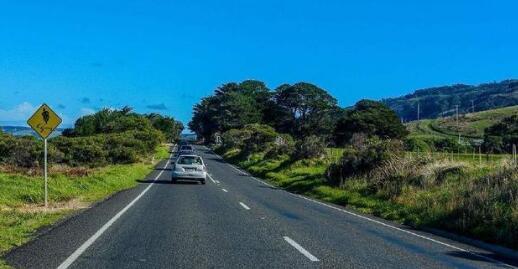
x=98, y=150
x=309, y=147
x=150, y=137
x=24, y=152
x=362, y=157
x=234, y=138
x=488, y=207
x=417, y=144
x=85, y=151
x=500, y=137
x=251, y=138
x=284, y=145
x=261, y=136
x=123, y=155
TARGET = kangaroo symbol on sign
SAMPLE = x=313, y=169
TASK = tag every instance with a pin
x=45, y=115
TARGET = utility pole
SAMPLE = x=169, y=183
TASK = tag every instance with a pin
x=472, y=106
x=457, y=116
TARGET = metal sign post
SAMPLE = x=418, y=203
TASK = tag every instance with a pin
x=46, y=180
x=44, y=121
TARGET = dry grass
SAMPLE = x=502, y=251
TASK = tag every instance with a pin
x=53, y=169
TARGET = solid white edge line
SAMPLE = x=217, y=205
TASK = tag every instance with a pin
x=73, y=257
x=258, y=180
x=301, y=249
x=384, y=224
x=224, y=190
x=244, y=206
x=210, y=177
x=404, y=231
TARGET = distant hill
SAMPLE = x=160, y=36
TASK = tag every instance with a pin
x=471, y=125
x=441, y=101
x=188, y=137
x=22, y=131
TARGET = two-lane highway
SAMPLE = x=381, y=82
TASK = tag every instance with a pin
x=234, y=221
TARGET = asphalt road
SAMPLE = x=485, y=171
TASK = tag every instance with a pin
x=234, y=221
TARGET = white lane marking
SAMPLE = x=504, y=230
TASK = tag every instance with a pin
x=210, y=177
x=301, y=249
x=258, y=180
x=217, y=181
x=387, y=225
x=73, y=257
x=224, y=190
x=237, y=169
x=244, y=206
x=405, y=231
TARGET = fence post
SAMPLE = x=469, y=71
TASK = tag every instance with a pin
x=514, y=154
x=479, y=156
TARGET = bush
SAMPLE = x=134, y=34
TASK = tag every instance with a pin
x=234, y=138
x=283, y=145
x=261, y=136
x=488, y=207
x=309, y=147
x=123, y=155
x=109, y=136
x=98, y=150
x=500, y=137
x=24, y=152
x=418, y=145
x=251, y=138
x=362, y=157
x=371, y=118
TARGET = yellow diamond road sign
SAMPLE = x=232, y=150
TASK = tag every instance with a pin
x=44, y=121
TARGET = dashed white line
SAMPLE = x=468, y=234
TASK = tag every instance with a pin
x=384, y=224
x=224, y=190
x=73, y=257
x=217, y=181
x=301, y=249
x=404, y=231
x=244, y=206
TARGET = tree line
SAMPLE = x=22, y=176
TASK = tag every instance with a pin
x=300, y=110
x=441, y=101
x=106, y=137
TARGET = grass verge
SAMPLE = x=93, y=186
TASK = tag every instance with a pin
x=459, y=196
x=21, y=197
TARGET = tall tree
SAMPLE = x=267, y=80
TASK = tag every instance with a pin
x=371, y=118
x=168, y=125
x=501, y=136
x=233, y=105
x=304, y=109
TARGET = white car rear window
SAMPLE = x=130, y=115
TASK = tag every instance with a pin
x=190, y=160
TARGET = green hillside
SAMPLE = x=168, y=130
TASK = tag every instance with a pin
x=441, y=101
x=471, y=125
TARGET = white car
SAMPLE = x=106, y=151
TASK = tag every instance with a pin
x=185, y=150
x=189, y=167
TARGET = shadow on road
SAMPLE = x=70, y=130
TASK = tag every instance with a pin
x=482, y=257
x=215, y=159
x=163, y=169
x=162, y=181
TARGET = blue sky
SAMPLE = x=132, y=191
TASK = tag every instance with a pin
x=163, y=56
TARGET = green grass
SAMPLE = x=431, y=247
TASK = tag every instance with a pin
x=471, y=126
x=435, y=203
x=307, y=177
x=22, y=197
x=472, y=158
